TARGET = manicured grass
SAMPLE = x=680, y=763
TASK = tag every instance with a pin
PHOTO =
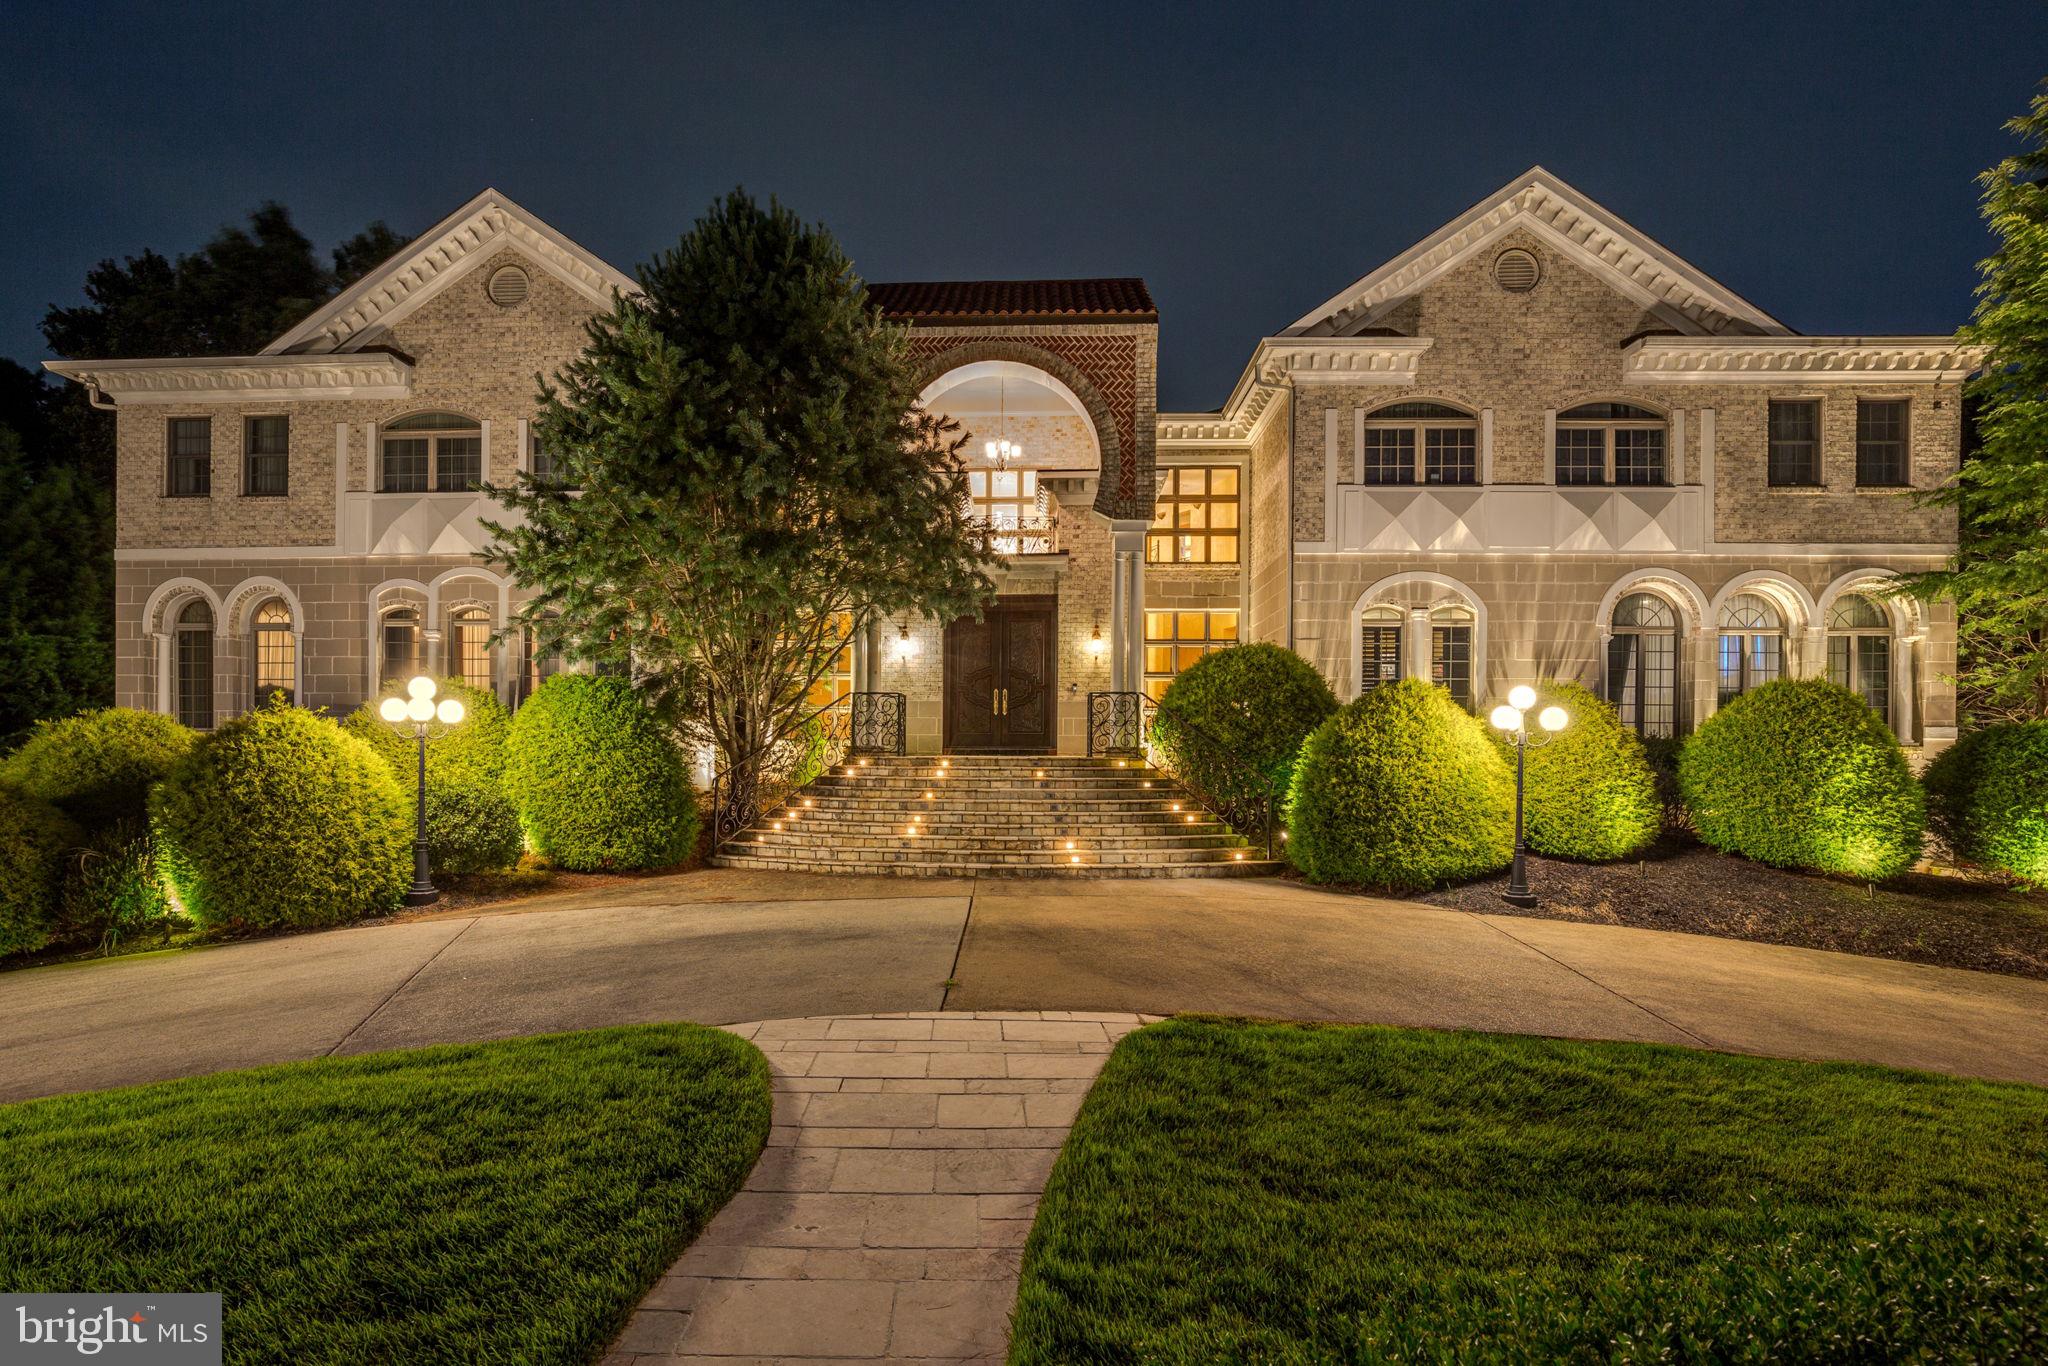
x=1280, y=1193
x=503, y=1202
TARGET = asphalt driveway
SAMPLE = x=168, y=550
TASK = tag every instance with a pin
x=721, y=946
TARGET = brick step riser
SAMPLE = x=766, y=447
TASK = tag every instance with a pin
x=1248, y=868
x=1081, y=842
x=1065, y=830
x=976, y=787
x=1033, y=857
x=1122, y=812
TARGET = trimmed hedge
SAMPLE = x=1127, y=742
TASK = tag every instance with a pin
x=97, y=767
x=1801, y=773
x=597, y=781
x=35, y=838
x=280, y=818
x=1401, y=789
x=1987, y=797
x=471, y=824
x=1590, y=792
x=113, y=888
x=1231, y=724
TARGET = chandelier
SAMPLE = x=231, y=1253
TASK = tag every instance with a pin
x=1002, y=450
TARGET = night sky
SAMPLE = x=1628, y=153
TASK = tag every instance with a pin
x=1248, y=161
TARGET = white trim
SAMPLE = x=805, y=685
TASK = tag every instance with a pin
x=1781, y=590
x=1908, y=614
x=1678, y=589
x=181, y=587
x=1549, y=446
x=484, y=449
x=245, y=597
x=1799, y=360
x=1415, y=655
x=240, y=379
x=340, y=480
x=523, y=457
x=1486, y=445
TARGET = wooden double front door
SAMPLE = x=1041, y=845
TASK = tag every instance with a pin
x=1001, y=678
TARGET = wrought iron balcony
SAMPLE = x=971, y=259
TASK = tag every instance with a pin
x=1026, y=535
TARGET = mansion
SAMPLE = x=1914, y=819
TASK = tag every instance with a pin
x=1535, y=444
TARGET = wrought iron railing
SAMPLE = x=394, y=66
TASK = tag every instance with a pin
x=878, y=722
x=1236, y=792
x=1116, y=723
x=1027, y=535
x=867, y=722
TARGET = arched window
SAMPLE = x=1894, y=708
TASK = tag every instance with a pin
x=443, y=452
x=1610, y=443
x=473, y=647
x=193, y=685
x=1642, y=665
x=540, y=663
x=276, y=653
x=1428, y=443
x=1450, y=651
x=1752, y=645
x=401, y=643
x=1379, y=642
x=1860, y=649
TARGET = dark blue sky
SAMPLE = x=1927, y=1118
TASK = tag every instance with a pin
x=1248, y=161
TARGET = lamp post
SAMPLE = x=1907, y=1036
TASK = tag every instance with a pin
x=1511, y=716
x=418, y=707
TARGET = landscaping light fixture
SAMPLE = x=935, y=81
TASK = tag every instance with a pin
x=418, y=707
x=1512, y=717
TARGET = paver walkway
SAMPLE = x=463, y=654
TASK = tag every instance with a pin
x=886, y=1219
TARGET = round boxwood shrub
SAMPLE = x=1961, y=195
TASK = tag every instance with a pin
x=471, y=825
x=1590, y=793
x=1231, y=724
x=597, y=781
x=1987, y=797
x=35, y=838
x=1401, y=789
x=97, y=767
x=281, y=819
x=1801, y=773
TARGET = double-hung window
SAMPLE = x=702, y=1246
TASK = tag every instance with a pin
x=189, y=470
x=266, y=457
x=1793, y=443
x=1881, y=460
x=431, y=452
x=1610, y=443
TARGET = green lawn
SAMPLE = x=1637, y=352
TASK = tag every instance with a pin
x=504, y=1202
x=1279, y=1193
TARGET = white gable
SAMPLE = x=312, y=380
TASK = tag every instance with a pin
x=1582, y=231
x=446, y=252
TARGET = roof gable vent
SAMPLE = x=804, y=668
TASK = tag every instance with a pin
x=508, y=286
x=1516, y=270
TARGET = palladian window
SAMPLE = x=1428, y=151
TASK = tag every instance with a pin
x=1752, y=645
x=437, y=452
x=192, y=662
x=276, y=653
x=1642, y=665
x=1860, y=649
x=1419, y=443
x=1610, y=443
x=1379, y=644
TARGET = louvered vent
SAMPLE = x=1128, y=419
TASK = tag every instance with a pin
x=508, y=286
x=1516, y=270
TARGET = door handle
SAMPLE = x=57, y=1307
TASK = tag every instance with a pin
x=1006, y=701
x=995, y=701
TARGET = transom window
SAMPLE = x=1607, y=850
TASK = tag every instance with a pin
x=1642, y=665
x=1752, y=645
x=1196, y=518
x=1881, y=460
x=473, y=647
x=1793, y=455
x=401, y=642
x=277, y=653
x=1429, y=443
x=1175, y=640
x=1610, y=443
x=1379, y=642
x=1860, y=649
x=441, y=452
x=1013, y=510
x=188, y=446
x=266, y=457
x=192, y=693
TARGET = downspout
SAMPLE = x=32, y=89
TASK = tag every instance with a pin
x=97, y=399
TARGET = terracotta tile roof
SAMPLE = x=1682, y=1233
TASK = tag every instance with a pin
x=1119, y=300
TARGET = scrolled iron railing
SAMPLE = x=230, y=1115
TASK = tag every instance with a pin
x=741, y=792
x=877, y=722
x=1239, y=794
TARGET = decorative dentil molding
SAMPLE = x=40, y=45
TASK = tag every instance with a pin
x=1799, y=360
x=242, y=379
x=1280, y=361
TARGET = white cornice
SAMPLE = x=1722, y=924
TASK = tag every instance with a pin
x=1594, y=239
x=1280, y=361
x=1198, y=429
x=241, y=379
x=457, y=244
x=1799, y=360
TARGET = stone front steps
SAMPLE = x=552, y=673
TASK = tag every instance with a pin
x=995, y=815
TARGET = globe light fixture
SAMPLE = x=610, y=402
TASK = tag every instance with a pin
x=418, y=708
x=1512, y=717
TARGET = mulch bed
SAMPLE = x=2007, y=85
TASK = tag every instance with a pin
x=1955, y=919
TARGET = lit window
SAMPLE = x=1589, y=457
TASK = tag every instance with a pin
x=193, y=690
x=1195, y=520
x=473, y=647
x=1446, y=438
x=266, y=457
x=837, y=682
x=1450, y=652
x=1881, y=460
x=443, y=452
x=1174, y=640
x=277, y=653
x=1752, y=645
x=1793, y=443
x=1010, y=510
x=1860, y=649
x=1379, y=642
x=1610, y=443
x=401, y=642
x=189, y=443
x=1642, y=665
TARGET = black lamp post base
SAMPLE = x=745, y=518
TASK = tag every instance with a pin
x=1523, y=899
x=422, y=896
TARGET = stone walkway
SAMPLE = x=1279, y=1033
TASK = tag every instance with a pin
x=886, y=1219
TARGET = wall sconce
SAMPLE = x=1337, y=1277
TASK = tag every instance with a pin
x=906, y=648
x=1096, y=644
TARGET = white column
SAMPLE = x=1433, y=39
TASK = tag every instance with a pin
x=1707, y=528
x=1416, y=651
x=432, y=640
x=1127, y=607
x=1549, y=445
x=1486, y=445
x=1677, y=471
x=163, y=671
